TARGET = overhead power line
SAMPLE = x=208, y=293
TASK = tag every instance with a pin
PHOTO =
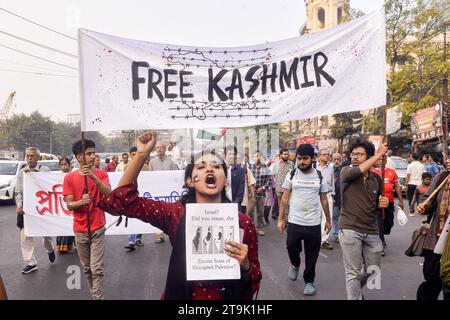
x=30, y=66
x=40, y=73
x=40, y=25
x=37, y=57
x=39, y=45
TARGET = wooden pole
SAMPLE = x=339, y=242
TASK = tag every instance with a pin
x=86, y=190
x=383, y=164
x=445, y=105
x=428, y=200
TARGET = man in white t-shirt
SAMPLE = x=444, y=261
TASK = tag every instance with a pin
x=413, y=176
x=309, y=195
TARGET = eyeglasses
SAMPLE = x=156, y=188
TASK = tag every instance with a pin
x=357, y=154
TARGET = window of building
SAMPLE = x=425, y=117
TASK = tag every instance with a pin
x=339, y=15
x=321, y=17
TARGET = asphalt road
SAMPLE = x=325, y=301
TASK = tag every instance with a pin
x=141, y=274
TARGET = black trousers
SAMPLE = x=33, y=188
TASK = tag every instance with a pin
x=267, y=211
x=385, y=226
x=432, y=286
x=311, y=236
x=410, y=193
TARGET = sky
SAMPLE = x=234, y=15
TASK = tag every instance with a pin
x=209, y=23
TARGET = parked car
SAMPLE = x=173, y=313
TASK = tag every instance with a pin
x=53, y=165
x=400, y=169
x=9, y=170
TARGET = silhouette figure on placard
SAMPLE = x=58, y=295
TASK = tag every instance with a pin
x=196, y=240
x=218, y=241
x=207, y=241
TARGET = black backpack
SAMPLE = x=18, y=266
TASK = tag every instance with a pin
x=318, y=173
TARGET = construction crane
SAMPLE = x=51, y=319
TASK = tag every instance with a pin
x=4, y=111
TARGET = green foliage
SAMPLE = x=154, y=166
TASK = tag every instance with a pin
x=344, y=126
x=21, y=131
x=414, y=52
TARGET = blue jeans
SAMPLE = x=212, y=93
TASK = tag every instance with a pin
x=362, y=254
x=132, y=238
x=335, y=221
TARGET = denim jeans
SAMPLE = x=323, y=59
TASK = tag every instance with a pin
x=132, y=238
x=324, y=235
x=335, y=222
x=360, y=251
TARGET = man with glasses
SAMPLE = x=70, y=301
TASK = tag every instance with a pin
x=161, y=162
x=358, y=228
x=328, y=178
x=309, y=194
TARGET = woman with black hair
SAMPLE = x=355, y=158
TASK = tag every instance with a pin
x=205, y=181
x=64, y=243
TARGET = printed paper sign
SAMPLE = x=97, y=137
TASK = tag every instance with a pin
x=208, y=226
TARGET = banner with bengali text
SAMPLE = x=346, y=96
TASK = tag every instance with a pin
x=46, y=213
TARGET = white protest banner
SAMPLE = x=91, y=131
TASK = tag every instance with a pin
x=131, y=84
x=393, y=120
x=47, y=215
x=208, y=226
x=440, y=244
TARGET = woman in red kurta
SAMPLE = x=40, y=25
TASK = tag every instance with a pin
x=205, y=182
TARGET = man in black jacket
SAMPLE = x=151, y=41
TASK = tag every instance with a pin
x=237, y=177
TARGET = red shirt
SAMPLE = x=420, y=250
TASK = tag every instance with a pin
x=166, y=216
x=111, y=167
x=390, y=177
x=74, y=185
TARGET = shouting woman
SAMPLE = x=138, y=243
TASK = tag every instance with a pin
x=205, y=181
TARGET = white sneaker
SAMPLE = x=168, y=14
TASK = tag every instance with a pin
x=293, y=273
x=309, y=290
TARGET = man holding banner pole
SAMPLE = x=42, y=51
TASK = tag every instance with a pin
x=88, y=220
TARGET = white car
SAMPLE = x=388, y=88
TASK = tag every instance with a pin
x=400, y=169
x=8, y=176
x=53, y=165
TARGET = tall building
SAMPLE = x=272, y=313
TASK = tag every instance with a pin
x=320, y=15
x=323, y=14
